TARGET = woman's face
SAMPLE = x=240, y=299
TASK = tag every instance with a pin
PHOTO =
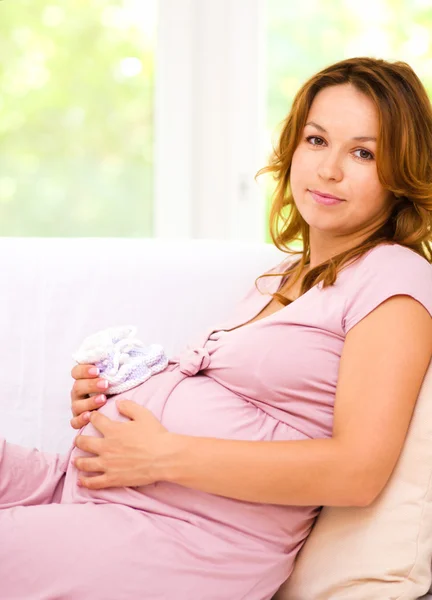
x=336, y=156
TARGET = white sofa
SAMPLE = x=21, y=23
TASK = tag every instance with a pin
x=54, y=292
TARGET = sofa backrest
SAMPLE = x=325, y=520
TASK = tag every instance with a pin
x=55, y=292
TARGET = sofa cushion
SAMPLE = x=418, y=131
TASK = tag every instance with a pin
x=382, y=551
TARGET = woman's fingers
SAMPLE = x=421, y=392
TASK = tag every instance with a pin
x=82, y=372
x=81, y=420
x=85, y=404
x=88, y=393
x=86, y=382
x=81, y=409
x=84, y=387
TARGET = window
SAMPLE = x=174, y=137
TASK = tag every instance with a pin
x=304, y=37
x=76, y=117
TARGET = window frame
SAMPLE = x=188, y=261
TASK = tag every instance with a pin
x=210, y=98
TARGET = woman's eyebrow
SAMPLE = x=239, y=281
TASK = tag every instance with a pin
x=358, y=138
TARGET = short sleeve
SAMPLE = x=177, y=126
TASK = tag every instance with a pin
x=387, y=270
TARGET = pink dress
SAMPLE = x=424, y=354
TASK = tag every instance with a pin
x=274, y=379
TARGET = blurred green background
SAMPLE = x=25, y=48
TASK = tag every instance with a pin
x=76, y=117
x=76, y=99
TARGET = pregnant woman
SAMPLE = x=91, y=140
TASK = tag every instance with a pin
x=204, y=481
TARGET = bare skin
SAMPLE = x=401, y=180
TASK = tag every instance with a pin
x=290, y=290
x=82, y=403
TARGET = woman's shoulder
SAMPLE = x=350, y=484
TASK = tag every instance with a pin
x=392, y=255
x=384, y=271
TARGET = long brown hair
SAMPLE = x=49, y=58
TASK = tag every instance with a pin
x=404, y=164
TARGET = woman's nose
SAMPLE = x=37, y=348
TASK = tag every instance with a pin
x=330, y=169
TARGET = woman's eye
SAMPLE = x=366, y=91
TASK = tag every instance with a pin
x=318, y=141
x=364, y=154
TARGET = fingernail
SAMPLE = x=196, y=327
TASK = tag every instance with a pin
x=94, y=371
x=102, y=385
x=86, y=416
x=100, y=399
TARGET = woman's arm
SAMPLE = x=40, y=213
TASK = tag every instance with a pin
x=384, y=361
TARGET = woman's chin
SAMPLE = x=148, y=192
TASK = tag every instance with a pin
x=320, y=222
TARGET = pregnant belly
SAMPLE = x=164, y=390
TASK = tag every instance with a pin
x=200, y=406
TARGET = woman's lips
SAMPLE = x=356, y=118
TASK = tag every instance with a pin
x=326, y=200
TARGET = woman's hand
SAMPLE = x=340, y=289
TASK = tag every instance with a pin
x=128, y=452
x=85, y=383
